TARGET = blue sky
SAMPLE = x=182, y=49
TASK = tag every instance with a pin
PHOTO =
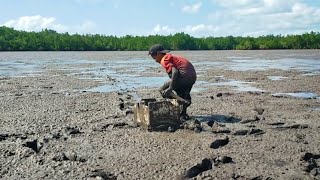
x=145, y=17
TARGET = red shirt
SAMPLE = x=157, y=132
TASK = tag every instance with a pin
x=185, y=68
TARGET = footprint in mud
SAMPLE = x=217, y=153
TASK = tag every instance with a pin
x=219, y=143
x=69, y=156
x=313, y=168
x=256, y=131
x=101, y=174
x=241, y=132
x=244, y=132
x=126, y=105
x=205, y=165
x=121, y=104
x=69, y=130
x=276, y=123
x=293, y=126
x=104, y=127
x=3, y=137
x=224, y=94
x=260, y=111
x=307, y=156
x=222, y=159
x=35, y=145
x=312, y=165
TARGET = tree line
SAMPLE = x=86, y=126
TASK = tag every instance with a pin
x=50, y=40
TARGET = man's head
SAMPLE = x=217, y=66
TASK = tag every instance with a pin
x=157, y=52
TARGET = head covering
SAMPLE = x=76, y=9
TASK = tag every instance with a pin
x=157, y=48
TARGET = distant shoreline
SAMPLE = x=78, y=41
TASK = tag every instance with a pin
x=171, y=51
x=50, y=40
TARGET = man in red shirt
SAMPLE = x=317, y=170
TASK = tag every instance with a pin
x=182, y=76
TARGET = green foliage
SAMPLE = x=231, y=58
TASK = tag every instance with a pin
x=50, y=40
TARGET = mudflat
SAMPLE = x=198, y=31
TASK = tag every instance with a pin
x=254, y=115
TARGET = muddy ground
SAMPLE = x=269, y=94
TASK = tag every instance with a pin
x=49, y=130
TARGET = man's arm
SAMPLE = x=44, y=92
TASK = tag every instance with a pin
x=174, y=78
x=168, y=92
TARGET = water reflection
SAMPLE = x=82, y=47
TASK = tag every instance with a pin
x=131, y=70
x=234, y=84
x=276, y=78
x=314, y=109
x=306, y=65
x=129, y=84
x=303, y=95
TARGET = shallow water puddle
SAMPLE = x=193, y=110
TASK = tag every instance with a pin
x=14, y=68
x=276, y=78
x=234, y=84
x=130, y=72
x=18, y=68
x=310, y=66
x=130, y=83
x=314, y=109
x=303, y=95
x=306, y=65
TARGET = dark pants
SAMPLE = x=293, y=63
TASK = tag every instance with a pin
x=182, y=88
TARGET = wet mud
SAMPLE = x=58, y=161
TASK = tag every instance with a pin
x=53, y=126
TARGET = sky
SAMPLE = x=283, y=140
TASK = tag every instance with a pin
x=149, y=17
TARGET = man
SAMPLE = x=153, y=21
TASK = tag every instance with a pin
x=182, y=76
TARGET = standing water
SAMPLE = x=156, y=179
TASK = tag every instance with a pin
x=124, y=70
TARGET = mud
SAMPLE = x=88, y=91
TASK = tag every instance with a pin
x=52, y=127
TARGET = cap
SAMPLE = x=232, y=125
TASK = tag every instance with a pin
x=157, y=48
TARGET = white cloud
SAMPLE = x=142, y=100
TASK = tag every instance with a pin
x=199, y=30
x=38, y=23
x=301, y=9
x=165, y=30
x=253, y=17
x=252, y=7
x=194, y=8
x=34, y=23
x=237, y=3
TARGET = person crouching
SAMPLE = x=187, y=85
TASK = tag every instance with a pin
x=182, y=76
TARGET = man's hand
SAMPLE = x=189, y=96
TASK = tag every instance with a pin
x=167, y=92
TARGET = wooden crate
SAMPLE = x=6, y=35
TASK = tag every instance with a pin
x=157, y=115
